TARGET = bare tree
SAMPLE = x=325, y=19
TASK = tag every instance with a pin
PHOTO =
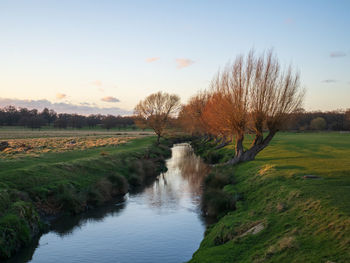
x=252, y=95
x=155, y=110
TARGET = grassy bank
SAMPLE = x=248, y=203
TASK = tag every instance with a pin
x=292, y=204
x=69, y=182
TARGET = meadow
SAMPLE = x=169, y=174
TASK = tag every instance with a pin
x=16, y=132
x=24, y=142
x=36, y=183
x=291, y=203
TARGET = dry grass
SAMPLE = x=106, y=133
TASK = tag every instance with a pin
x=266, y=169
x=35, y=146
x=22, y=133
x=286, y=242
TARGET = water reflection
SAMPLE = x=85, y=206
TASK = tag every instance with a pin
x=184, y=176
x=161, y=223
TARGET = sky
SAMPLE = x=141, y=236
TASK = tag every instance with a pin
x=105, y=56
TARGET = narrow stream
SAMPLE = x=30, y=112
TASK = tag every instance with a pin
x=162, y=223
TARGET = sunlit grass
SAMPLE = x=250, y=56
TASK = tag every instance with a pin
x=306, y=220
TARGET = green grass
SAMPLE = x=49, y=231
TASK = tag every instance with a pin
x=69, y=182
x=8, y=166
x=306, y=220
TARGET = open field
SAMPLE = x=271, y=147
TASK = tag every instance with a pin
x=25, y=142
x=21, y=133
x=36, y=146
x=296, y=218
x=58, y=182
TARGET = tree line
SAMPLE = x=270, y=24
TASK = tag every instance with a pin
x=34, y=119
x=338, y=120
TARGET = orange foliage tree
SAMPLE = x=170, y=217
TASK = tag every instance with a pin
x=251, y=95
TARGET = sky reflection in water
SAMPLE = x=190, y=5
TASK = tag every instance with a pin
x=162, y=223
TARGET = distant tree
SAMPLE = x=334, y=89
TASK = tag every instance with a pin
x=12, y=115
x=155, y=110
x=140, y=123
x=109, y=122
x=35, y=122
x=2, y=117
x=77, y=121
x=347, y=120
x=318, y=123
x=62, y=121
x=48, y=115
x=92, y=120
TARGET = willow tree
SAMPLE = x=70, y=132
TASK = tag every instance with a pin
x=191, y=115
x=155, y=110
x=252, y=95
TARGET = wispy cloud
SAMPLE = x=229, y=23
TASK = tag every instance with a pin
x=84, y=108
x=329, y=81
x=153, y=59
x=97, y=83
x=337, y=54
x=86, y=103
x=60, y=96
x=183, y=62
x=110, y=99
x=289, y=21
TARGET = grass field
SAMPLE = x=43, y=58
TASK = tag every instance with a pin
x=7, y=132
x=69, y=181
x=301, y=220
x=24, y=142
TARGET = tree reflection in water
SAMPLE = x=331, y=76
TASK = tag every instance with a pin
x=116, y=232
x=182, y=181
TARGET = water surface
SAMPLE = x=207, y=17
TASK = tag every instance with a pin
x=161, y=223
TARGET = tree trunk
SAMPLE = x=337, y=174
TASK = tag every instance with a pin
x=258, y=139
x=158, y=138
x=223, y=143
x=250, y=154
x=239, y=150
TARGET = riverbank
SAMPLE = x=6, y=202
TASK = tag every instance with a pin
x=151, y=224
x=291, y=204
x=52, y=184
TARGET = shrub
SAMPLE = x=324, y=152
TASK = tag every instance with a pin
x=216, y=202
x=149, y=168
x=120, y=184
x=14, y=233
x=70, y=199
x=5, y=200
x=135, y=180
x=218, y=181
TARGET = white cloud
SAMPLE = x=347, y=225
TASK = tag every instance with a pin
x=329, y=81
x=337, y=54
x=289, y=21
x=183, y=62
x=153, y=59
x=60, y=96
x=110, y=99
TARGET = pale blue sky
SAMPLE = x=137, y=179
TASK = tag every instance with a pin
x=89, y=50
